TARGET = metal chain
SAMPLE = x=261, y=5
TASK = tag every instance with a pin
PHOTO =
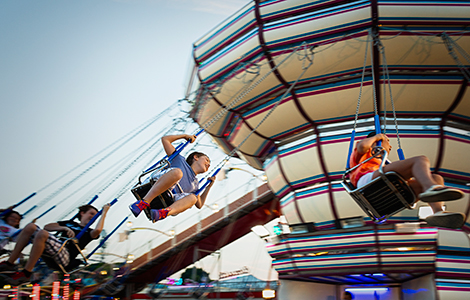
x=448, y=43
x=224, y=110
x=278, y=102
x=63, y=187
x=387, y=78
x=360, y=88
x=372, y=68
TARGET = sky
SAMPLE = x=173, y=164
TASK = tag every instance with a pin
x=76, y=76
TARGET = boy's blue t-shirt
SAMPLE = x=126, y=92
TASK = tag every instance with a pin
x=189, y=182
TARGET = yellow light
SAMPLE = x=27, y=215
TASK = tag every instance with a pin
x=269, y=294
x=103, y=272
x=403, y=249
x=215, y=207
x=171, y=233
x=7, y=287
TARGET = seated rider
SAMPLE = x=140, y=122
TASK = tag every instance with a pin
x=44, y=242
x=182, y=172
x=9, y=226
x=427, y=187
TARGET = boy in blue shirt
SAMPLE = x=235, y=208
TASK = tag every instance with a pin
x=183, y=172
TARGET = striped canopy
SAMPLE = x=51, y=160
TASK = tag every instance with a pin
x=300, y=138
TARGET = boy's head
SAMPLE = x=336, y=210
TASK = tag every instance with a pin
x=87, y=212
x=12, y=218
x=199, y=162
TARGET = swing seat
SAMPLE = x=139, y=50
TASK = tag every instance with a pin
x=52, y=262
x=142, y=188
x=383, y=196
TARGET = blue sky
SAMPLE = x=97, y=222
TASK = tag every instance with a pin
x=77, y=75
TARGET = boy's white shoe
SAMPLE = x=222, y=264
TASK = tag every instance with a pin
x=438, y=193
x=446, y=219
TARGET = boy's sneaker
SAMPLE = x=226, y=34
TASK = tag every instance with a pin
x=159, y=214
x=15, y=279
x=446, y=219
x=7, y=267
x=138, y=206
x=438, y=193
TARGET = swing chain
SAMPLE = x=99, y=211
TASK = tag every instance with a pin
x=225, y=109
x=278, y=102
x=388, y=82
x=448, y=42
x=360, y=88
x=374, y=39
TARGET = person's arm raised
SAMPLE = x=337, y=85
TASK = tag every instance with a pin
x=169, y=139
x=202, y=198
x=99, y=227
x=364, y=145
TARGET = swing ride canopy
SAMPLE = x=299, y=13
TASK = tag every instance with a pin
x=246, y=64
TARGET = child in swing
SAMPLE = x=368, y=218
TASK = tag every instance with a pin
x=9, y=227
x=183, y=172
x=427, y=187
x=44, y=242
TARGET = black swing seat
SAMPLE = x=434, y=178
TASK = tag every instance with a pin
x=74, y=264
x=141, y=189
x=383, y=196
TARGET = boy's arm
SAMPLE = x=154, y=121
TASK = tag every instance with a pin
x=169, y=139
x=99, y=227
x=202, y=198
x=57, y=227
x=363, y=146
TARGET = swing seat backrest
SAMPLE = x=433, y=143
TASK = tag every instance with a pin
x=142, y=188
x=383, y=196
x=54, y=263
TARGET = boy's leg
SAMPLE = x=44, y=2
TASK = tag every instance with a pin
x=165, y=182
x=23, y=240
x=39, y=243
x=419, y=168
x=439, y=218
x=174, y=209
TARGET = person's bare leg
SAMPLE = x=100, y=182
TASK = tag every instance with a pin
x=418, y=189
x=417, y=167
x=39, y=243
x=163, y=183
x=182, y=204
x=22, y=241
x=439, y=218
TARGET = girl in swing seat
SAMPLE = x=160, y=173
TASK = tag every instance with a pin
x=44, y=242
x=182, y=171
x=427, y=187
